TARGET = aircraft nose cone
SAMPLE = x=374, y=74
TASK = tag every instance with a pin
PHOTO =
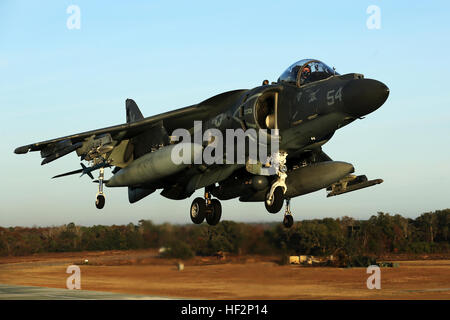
x=363, y=96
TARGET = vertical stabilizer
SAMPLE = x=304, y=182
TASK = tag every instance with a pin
x=133, y=112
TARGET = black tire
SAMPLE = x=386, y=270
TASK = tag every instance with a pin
x=198, y=210
x=277, y=201
x=100, y=201
x=213, y=217
x=288, y=221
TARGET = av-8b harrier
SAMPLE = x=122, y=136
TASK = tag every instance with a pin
x=300, y=112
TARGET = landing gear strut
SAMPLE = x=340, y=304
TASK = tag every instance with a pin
x=208, y=208
x=100, y=198
x=275, y=195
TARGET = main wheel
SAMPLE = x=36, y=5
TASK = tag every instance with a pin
x=288, y=221
x=274, y=204
x=214, y=216
x=198, y=210
x=100, y=201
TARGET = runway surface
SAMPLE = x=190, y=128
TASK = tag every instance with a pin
x=13, y=292
x=141, y=274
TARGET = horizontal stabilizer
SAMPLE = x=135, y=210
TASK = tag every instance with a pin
x=84, y=170
x=68, y=173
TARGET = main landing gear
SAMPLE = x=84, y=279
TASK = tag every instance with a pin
x=275, y=195
x=100, y=198
x=208, y=208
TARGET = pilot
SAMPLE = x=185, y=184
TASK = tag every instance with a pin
x=265, y=82
x=306, y=72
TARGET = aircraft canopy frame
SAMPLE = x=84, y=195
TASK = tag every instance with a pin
x=306, y=71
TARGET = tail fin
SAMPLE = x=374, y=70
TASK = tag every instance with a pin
x=133, y=112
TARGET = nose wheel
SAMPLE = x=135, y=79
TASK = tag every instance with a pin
x=274, y=203
x=206, y=208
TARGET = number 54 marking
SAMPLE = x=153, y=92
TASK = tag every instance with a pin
x=332, y=97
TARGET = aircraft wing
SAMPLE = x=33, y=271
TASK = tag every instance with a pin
x=122, y=131
x=107, y=138
x=104, y=141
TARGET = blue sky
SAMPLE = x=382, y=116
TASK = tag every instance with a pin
x=167, y=54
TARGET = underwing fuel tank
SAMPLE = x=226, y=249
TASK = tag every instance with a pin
x=154, y=166
x=316, y=176
x=308, y=179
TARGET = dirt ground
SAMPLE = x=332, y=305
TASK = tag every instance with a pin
x=249, y=277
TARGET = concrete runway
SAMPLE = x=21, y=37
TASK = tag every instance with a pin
x=13, y=292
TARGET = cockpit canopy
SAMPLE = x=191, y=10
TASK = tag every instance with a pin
x=306, y=71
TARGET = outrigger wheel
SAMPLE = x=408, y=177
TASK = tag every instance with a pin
x=100, y=201
x=198, y=210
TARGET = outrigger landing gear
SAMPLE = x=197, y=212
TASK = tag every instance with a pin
x=275, y=195
x=100, y=198
x=208, y=208
x=288, y=219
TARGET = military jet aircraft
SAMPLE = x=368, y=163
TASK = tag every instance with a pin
x=305, y=107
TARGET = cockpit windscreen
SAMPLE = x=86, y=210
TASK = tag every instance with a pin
x=306, y=71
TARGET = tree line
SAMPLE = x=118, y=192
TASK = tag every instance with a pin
x=380, y=234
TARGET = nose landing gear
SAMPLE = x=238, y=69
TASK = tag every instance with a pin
x=275, y=196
